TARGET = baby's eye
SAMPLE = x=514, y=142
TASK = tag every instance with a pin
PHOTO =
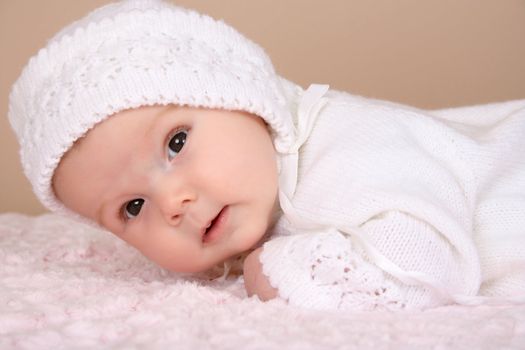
x=132, y=208
x=176, y=143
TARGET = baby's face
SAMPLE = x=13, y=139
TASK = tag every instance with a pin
x=187, y=187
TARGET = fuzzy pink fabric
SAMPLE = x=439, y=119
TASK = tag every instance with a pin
x=64, y=285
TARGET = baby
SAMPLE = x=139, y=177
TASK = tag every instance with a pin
x=173, y=131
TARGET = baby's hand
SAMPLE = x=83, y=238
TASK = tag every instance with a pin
x=255, y=282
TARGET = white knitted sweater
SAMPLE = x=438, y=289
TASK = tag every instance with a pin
x=388, y=206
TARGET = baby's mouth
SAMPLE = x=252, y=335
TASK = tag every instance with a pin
x=215, y=227
x=208, y=229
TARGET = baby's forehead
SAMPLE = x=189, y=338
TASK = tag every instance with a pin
x=102, y=161
x=76, y=146
x=119, y=123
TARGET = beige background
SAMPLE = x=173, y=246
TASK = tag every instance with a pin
x=431, y=53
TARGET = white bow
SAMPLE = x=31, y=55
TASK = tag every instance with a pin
x=308, y=110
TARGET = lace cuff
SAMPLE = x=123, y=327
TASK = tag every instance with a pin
x=324, y=271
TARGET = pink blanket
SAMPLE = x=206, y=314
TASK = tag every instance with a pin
x=64, y=285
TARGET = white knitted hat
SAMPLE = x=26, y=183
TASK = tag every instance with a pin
x=130, y=54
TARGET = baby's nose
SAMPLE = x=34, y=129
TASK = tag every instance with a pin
x=174, y=201
x=173, y=194
x=173, y=208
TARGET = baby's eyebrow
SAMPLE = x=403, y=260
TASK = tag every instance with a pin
x=158, y=116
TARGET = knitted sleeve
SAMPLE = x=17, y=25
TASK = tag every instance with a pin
x=329, y=270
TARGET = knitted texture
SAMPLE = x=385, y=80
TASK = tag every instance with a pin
x=131, y=54
x=397, y=207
